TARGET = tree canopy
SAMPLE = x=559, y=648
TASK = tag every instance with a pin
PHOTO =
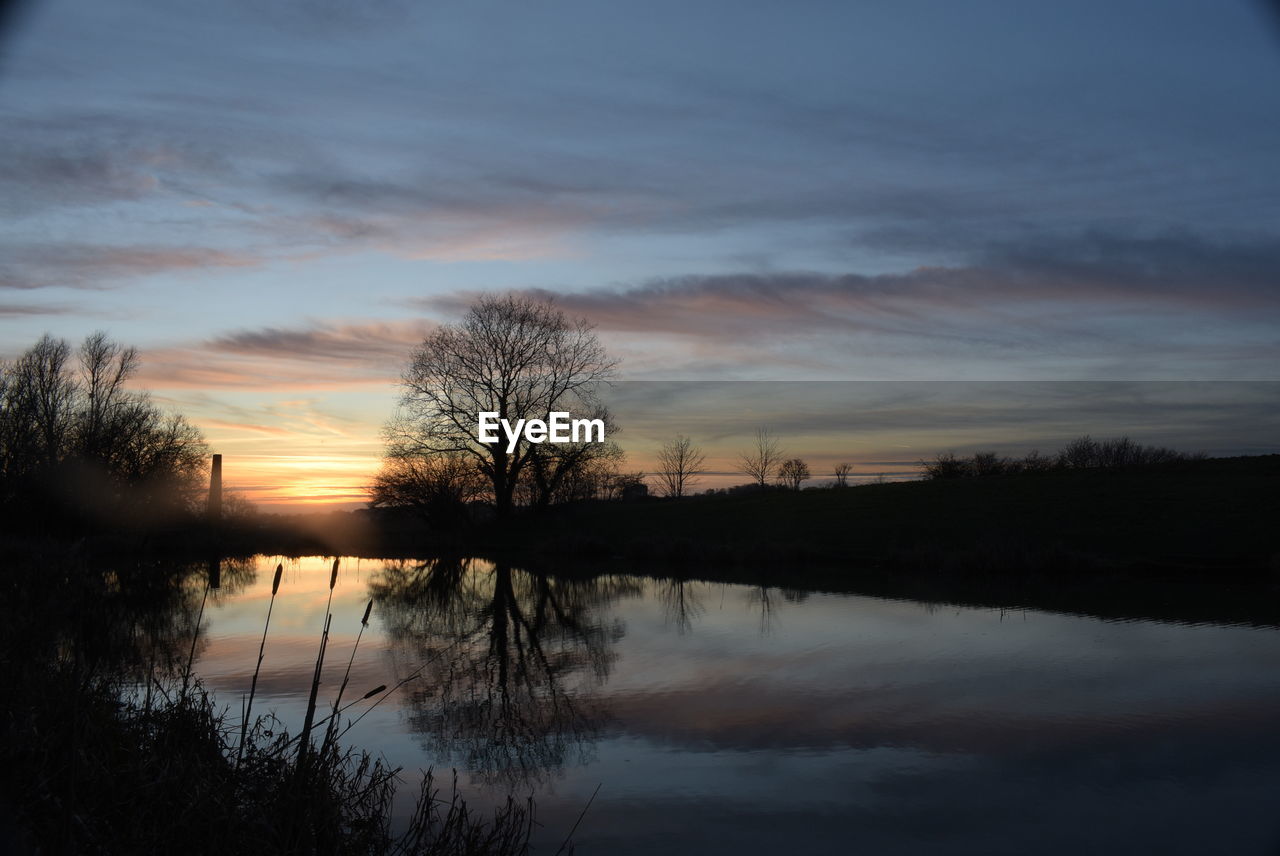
x=74, y=439
x=516, y=356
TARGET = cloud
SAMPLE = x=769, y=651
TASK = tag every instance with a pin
x=34, y=266
x=22, y=310
x=316, y=357
x=375, y=343
x=87, y=157
x=272, y=430
x=1064, y=308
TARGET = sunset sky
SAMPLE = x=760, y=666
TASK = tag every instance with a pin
x=276, y=200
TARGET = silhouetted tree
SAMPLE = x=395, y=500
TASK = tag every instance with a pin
x=1079, y=454
x=519, y=357
x=764, y=457
x=945, y=465
x=437, y=485
x=564, y=472
x=624, y=485
x=842, y=474
x=72, y=434
x=1034, y=462
x=679, y=465
x=987, y=464
x=792, y=472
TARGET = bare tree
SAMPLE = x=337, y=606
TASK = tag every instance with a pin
x=842, y=474
x=38, y=408
x=587, y=476
x=562, y=471
x=82, y=438
x=519, y=357
x=104, y=368
x=760, y=462
x=791, y=473
x=679, y=465
x=438, y=486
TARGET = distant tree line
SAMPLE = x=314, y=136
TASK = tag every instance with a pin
x=77, y=445
x=680, y=463
x=1083, y=453
x=522, y=359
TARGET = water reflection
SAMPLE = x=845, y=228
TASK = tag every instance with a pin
x=506, y=662
x=141, y=619
x=765, y=719
x=682, y=604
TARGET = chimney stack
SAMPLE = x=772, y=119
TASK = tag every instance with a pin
x=215, y=489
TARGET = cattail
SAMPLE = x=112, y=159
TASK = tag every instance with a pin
x=373, y=692
x=337, y=702
x=309, y=719
x=262, y=648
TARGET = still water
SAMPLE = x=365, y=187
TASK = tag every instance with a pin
x=732, y=718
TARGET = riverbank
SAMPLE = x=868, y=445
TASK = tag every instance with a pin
x=1209, y=517
x=111, y=745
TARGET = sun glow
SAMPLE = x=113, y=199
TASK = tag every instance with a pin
x=278, y=482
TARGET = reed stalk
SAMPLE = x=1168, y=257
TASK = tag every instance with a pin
x=330, y=731
x=262, y=647
x=305, y=737
x=195, y=637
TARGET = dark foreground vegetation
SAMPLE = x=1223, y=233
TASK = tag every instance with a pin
x=111, y=746
x=1207, y=517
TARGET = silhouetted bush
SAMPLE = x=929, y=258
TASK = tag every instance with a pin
x=946, y=465
x=1082, y=453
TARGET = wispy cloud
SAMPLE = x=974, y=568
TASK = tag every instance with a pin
x=315, y=357
x=34, y=266
x=1068, y=308
x=223, y=424
x=23, y=310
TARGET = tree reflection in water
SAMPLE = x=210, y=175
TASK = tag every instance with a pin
x=681, y=603
x=138, y=621
x=509, y=662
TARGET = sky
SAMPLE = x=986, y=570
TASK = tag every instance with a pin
x=276, y=200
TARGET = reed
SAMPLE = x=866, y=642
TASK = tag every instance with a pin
x=262, y=648
x=331, y=731
x=195, y=636
x=92, y=767
x=305, y=738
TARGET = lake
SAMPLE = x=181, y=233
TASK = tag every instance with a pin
x=712, y=717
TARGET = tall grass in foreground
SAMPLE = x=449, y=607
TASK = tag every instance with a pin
x=304, y=742
x=262, y=649
x=93, y=765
